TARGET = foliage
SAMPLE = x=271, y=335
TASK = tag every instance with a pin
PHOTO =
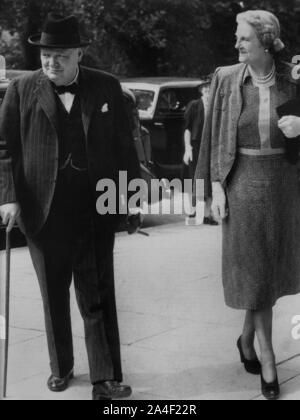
x=145, y=37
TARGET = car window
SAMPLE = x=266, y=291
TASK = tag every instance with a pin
x=175, y=99
x=144, y=99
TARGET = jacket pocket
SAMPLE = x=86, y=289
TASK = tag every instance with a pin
x=105, y=120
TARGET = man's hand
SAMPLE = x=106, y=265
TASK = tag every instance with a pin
x=9, y=214
x=218, y=206
x=290, y=126
x=188, y=156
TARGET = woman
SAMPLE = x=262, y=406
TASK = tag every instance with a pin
x=254, y=186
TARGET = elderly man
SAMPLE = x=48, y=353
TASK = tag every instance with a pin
x=62, y=129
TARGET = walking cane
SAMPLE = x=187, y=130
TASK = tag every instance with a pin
x=4, y=318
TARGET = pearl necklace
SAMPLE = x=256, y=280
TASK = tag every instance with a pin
x=263, y=79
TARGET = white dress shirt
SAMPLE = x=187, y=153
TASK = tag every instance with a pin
x=67, y=98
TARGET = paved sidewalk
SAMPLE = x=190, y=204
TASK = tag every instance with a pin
x=178, y=337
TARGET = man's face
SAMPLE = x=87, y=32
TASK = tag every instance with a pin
x=205, y=94
x=205, y=91
x=60, y=65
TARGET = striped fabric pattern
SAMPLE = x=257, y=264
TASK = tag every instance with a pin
x=29, y=140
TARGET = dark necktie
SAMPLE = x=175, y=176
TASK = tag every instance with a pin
x=73, y=88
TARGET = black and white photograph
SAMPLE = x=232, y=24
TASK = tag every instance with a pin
x=149, y=202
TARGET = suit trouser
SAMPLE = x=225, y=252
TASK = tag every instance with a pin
x=75, y=241
x=190, y=170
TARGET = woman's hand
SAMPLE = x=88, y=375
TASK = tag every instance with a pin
x=290, y=126
x=219, y=201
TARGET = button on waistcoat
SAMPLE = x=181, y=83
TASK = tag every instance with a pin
x=71, y=136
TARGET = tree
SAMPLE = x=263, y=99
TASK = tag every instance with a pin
x=147, y=37
x=24, y=18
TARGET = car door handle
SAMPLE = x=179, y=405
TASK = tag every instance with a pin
x=159, y=124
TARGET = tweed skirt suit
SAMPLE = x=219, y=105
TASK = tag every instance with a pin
x=245, y=151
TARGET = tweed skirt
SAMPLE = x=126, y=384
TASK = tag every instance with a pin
x=261, y=236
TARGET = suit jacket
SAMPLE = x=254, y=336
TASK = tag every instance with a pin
x=29, y=140
x=219, y=140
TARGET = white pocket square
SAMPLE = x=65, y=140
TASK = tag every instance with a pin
x=104, y=108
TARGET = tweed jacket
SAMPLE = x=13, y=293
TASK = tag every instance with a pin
x=219, y=140
x=29, y=140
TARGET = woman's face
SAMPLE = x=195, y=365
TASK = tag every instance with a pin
x=251, y=51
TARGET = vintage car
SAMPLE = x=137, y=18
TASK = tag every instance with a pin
x=161, y=103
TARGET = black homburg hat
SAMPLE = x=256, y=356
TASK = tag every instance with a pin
x=59, y=32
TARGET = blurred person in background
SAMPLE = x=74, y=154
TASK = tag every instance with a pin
x=193, y=126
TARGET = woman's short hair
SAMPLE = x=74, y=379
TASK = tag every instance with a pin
x=266, y=26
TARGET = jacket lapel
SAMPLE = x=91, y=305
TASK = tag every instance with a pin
x=238, y=96
x=90, y=96
x=47, y=100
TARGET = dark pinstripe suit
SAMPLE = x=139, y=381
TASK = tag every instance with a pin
x=29, y=143
x=29, y=174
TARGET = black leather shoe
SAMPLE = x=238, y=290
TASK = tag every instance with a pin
x=110, y=389
x=270, y=391
x=210, y=221
x=59, y=384
x=251, y=366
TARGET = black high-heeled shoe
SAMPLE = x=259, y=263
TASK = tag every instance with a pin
x=271, y=391
x=251, y=366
